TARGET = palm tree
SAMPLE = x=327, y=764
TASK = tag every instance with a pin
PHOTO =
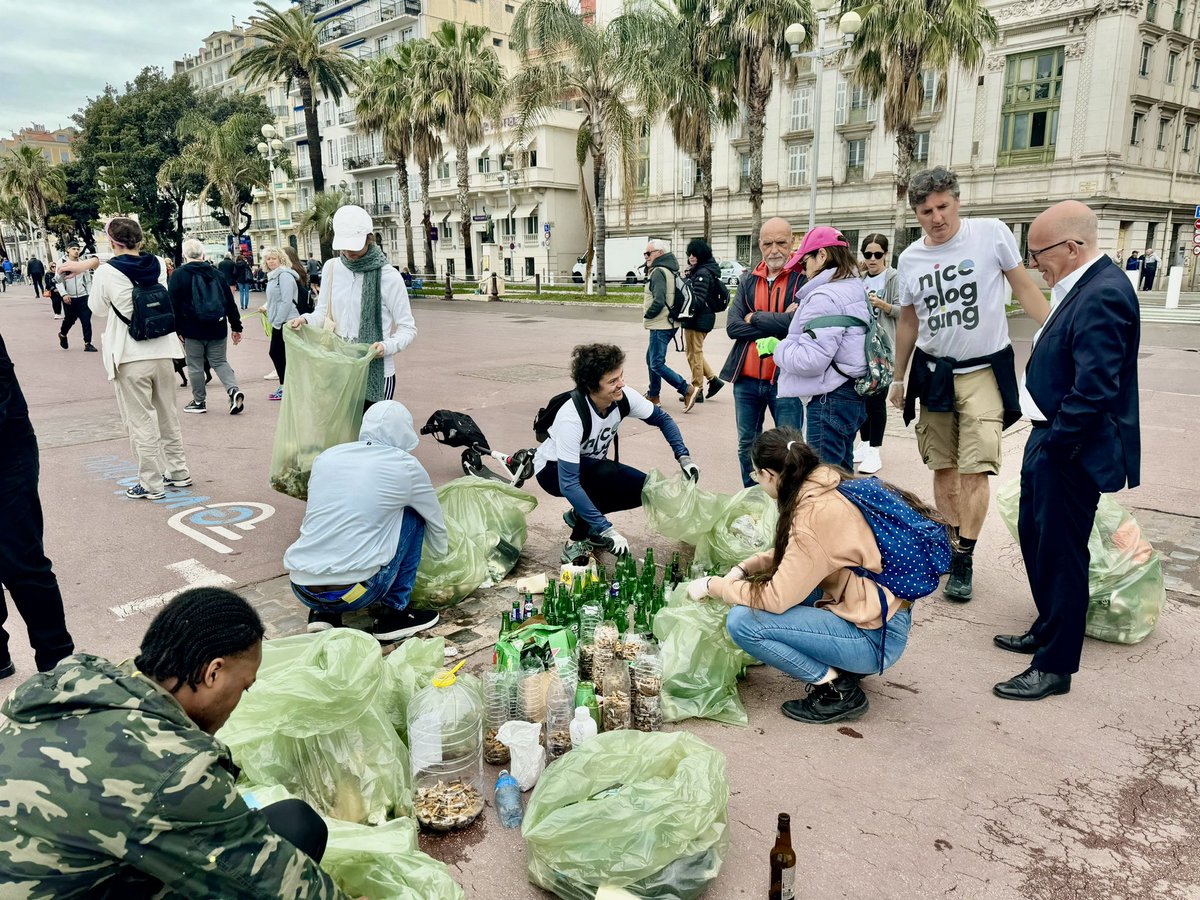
x=29, y=178
x=224, y=156
x=757, y=27
x=13, y=213
x=319, y=216
x=613, y=74
x=291, y=51
x=898, y=41
x=465, y=84
x=427, y=146
x=702, y=83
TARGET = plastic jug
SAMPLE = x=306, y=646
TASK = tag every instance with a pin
x=583, y=726
x=445, y=731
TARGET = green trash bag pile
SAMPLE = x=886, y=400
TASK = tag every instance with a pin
x=317, y=724
x=1125, y=580
x=646, y=812
x=322, y=406
x=724, y=529
x=379, y=862
x=701, y=663
x=487, y=527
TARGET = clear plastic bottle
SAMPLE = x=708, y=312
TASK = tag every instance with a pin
x=445, y=729
x=533, y=692
x=615, y=713
x=559, y=709
x=606, y=639
x=500, y=696
x=508, y=800
x=583, y=726
x=589, y=618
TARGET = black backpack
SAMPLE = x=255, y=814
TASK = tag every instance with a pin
x=208, y=299
x=152, y=313
x=304, y=298
x=546, y=415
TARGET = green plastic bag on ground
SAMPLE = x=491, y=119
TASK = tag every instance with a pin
x=701, y=663
x=547, y=642
x=487, y=525
x=724, y=529
x=316, y=723
x=643, y=812
x=322, y=406
x=1125, y=582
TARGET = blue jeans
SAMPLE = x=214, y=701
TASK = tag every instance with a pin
x=833, y=423
x=656, y=362
x=244, y=295
x=392, y=584
x=752, y=397
x=805, y=641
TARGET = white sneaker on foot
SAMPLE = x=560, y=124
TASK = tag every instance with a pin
x=271, y=376
x=870, y=463
x=859, y=449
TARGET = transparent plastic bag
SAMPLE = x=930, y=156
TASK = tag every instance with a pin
x=676, y=508
x=700, y=662
x=322, y=406
x=643, y=812
x=486, y=522
x=408, y=669
x=1125, y=582
x=316, y=723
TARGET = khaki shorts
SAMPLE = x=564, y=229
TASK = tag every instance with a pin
x=969, y=438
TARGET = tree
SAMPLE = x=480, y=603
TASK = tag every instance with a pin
x=465, y=84
x=291, y=51
x=13, y=214
x=426, y=127
x=319, y=216
x=80, y=206
x=702, y=82
x=899, y=40
x=612, y=73
x=28, y=176
x=757, y=27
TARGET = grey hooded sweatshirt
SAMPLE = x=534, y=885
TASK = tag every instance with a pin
x=357, y=496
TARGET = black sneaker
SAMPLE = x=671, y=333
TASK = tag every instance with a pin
x=323, y=621
x=7, y=669
x=88, y=348
x=196, y=406
x=236, y=401
x=395, y=624
x=839, y=700
x=714, y=385
x=958, y=585
x=62, y=340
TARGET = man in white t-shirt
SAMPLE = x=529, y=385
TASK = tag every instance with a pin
x=952, y=298
x=573, y=461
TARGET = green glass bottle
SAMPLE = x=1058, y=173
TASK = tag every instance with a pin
x=648, y=563
x=674, y=573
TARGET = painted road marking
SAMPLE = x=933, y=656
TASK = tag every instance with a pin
x=215, y=517
x=194, y=574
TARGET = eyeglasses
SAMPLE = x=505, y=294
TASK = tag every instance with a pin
x=879, y=255
x=758, y=476
x=648, y=253
x=1033, y=255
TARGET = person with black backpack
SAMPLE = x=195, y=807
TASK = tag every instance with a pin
x=709, y=296
x=831, y=601
x=576, y=430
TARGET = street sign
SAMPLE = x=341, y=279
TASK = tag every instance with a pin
x=433, y=233
x=512, y=246
x=478, y=218
x=1197, y=212
x=546, y=228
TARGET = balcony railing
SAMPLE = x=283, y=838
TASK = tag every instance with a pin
x=294, y=130
x=344, y=26
x=364, y=162
x=280, y=112
x=262, y=225
x=383, y=208
x=346, y=116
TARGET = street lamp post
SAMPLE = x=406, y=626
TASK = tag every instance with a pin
x=508, y=178
x=848, y=26
x=269, y=149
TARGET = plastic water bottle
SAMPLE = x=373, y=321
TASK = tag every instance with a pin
x=583, y=726
x=508, y=800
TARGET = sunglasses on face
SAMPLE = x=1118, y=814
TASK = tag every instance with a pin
x=879, y=255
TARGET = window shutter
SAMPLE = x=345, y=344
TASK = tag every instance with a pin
x=839, y=104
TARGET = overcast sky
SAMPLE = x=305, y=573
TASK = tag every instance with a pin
x=55, y=54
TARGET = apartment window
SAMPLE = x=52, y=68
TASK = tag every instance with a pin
x=801, y=108
x=508, y=267
x=509, y=8
x=921, y=150
x=497, y=42
x=687, y=185
x=1177, y=24
x=929, y=82
x=1172, y=65
x=508, y=227
x=531, y=225
x=743, y=172
x=743, y=251
x=856, y=159
x=1189, y=136
x=797, y=165
x=407, y=35
x=1029, y=114
x=1151, y=11
x=1135, y=134
x=1196, y=73
x=1144, y=62
x=531, y=157
x=641, y=165
x=1164, y=128
x=442, y=170
x=484, y=164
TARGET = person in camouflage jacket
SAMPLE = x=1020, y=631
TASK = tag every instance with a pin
x=112, y=785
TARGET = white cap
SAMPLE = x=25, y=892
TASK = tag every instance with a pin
x=351, y=225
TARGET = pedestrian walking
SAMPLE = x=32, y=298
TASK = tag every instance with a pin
x=243, y=277
x=658, y=302
x=883, y=293
x=75, y=291
x=283, y=288
x=205, y=314
x=24, y=569
x=36, y=272
x=1149, y=269
x=709, y=297
x=7, y=267
x=52, y=291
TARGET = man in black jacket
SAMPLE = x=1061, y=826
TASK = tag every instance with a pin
x=36, y=272
x=196, y=291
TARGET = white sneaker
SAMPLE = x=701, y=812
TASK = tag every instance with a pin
x=271, y=376
x=870, y=463
x=859, y=450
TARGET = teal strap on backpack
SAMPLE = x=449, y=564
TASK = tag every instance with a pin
x=834, y=322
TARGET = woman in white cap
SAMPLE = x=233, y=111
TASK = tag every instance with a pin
x=365, y=298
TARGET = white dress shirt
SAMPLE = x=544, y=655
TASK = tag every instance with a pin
x=1057, y=294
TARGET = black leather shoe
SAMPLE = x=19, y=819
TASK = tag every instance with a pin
x=1033, y=684
x=7, y=668
x=1016, y=643
x=838, y=700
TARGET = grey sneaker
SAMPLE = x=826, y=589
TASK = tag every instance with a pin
x=577, y=552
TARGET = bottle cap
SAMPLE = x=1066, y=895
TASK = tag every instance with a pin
x=581, y=712
x=446, y=679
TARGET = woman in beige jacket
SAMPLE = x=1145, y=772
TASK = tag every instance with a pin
x=799, y=607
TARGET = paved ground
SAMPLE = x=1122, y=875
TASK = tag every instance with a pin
x=941, y=789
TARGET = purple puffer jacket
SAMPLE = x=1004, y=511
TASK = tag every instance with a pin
x=806, y=363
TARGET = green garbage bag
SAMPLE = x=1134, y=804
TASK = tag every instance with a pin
x=486, y=521
x=701, y=663
x=1125, y=581
x=676, y=508
x=643, y=812
x=322, y=406
x=316, y=723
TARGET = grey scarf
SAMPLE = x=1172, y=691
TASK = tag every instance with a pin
x=370, y=317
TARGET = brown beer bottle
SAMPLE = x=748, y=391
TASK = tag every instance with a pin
x=783, y=863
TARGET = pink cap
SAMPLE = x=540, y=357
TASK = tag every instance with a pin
x=817, y=238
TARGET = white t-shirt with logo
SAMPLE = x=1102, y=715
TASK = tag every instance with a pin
x=958, y=290
x=566, y=443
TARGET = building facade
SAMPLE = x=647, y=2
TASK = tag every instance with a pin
x=55, y=148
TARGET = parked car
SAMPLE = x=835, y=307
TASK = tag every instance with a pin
x=731, y=272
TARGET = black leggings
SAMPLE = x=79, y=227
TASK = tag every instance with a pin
x=278, y=355
x=610, y=485
x=872, y=429
x=298, y=823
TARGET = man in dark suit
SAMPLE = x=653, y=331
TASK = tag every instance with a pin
x=1081, y=395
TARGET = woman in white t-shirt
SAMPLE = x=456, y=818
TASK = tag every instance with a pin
x=884, y=294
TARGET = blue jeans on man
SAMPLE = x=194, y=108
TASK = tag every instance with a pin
x=833, y=423
x=392, y=585
x=752, y=397
x=656, y=362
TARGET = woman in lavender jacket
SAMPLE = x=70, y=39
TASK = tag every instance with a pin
x=819, y=362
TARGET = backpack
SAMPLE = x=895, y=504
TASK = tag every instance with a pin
x=546, y=415
x=304, y=298
x=718, y=301
x=152, y=313
x=208, y=299
x=881, y=355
